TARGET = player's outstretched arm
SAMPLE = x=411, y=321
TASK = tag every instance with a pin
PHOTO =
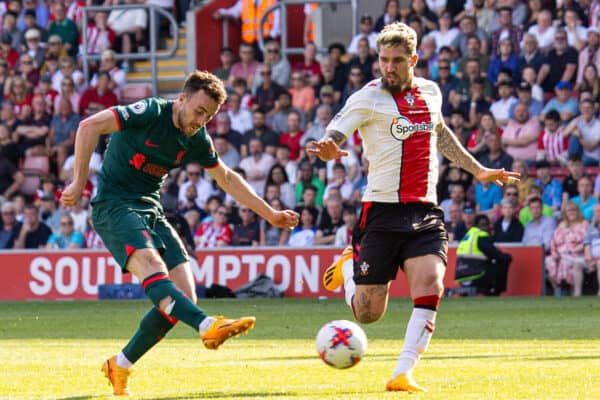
x=86, y=140
x=236, y=186
x=450, y=147
x=328, y=148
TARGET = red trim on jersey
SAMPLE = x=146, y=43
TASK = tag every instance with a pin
x=129, y=250
x=416, y=149
x=169, y=319
x=154, y=278
x=116, y=114
x=363, y=214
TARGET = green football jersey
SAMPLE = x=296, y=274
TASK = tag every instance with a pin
x=146, y=147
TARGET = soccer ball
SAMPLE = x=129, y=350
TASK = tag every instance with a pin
x=341, y=344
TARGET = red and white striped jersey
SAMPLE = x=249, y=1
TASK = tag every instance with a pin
x=398, y=137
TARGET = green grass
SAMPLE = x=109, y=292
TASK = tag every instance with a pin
x=483, y=348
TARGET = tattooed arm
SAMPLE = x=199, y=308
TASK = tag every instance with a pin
x=328, y=148
x=451, y=148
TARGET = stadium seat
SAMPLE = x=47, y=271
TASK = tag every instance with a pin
x=133, y=92
x=33, y=169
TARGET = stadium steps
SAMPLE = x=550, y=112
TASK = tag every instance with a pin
x=171, y=72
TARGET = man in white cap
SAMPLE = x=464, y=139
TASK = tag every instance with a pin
x=32, y=44
x=118, y=78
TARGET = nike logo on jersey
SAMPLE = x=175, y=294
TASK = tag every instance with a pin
x=150, y=144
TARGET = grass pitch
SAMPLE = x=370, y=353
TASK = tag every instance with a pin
x=483, y=348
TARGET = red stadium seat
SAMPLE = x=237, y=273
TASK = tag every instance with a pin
x=133, y=92
x=33, y=169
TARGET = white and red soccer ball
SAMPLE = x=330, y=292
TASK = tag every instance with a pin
x=341, y=344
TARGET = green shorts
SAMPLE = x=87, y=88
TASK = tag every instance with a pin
x=125, y=226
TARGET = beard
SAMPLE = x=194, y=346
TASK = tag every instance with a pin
x=187, y=130
x=392, y=88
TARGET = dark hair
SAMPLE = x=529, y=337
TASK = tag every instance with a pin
x=348, y=209
x=553, y=115
x=309, y=187
x=338, y=46
x=535, y=199
x=481, y=217
x=270, y=174
x=209, y=83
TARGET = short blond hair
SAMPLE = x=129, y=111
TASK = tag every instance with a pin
x=398, y=34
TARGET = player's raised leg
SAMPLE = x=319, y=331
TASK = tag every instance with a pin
x=425, y=276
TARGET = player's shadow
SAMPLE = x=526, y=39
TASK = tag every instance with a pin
x=223, y=395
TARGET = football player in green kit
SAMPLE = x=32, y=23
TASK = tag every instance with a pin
x=150, y=138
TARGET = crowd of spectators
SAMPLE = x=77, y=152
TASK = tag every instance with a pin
x=521, y=91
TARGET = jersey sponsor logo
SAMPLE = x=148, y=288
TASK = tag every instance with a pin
x=155, y=170
x=149, y=143
x=138, y=108
x=401, y=128
x=137, y=160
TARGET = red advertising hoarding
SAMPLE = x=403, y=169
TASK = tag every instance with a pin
x=51, y=275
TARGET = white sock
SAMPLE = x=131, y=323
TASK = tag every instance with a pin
x=349, y=285
x=122, y=361
x=418, y=335
x=205, y=324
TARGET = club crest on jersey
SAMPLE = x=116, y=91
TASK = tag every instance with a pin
x=410, y=99
x=137, y=108
x=364, y=268
x=401, y=128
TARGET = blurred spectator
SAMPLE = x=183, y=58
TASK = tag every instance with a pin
x=268, y=92
x=560, y=65
x=462, y=94
x=189, y=203
x=303, y=96
x=34, y=234
x=223, y=129
x=525, y=212
x=553, y=143
x=364, y=59
x=66, y=171
x=356, y=80
x=343, y=235
x=227, y=153
x=495, y=157
x=260, y=131
x=506, y=30
x=340, y=182
x=250, y=12
x=476, y=143
x=459, y=127
x=280, y=66
x=529, y=75
x=591, y=247
x=590, y=82
x=214, y=233
x=241, y=119
x=9, y=26
x=118, y=77
x=282, y=158
x=246, y=66
x=331, y=80
x=468, y=27
x=8, y=148
x=62, y=132
x=92, y=239
x=33, y=133
x=337, y=52
x=477, y=103
x=531, y=55
x=539, y=230
x=457, y=197
x=27, y=70
x=468, y=219
x=66, y=237
x=501, y=107
x=504, y=59
x=473, y=53
x=428, y=19
x=10, y=227
x=365, y=28
x=318, y=125
x=551, y=187
x=447, y=82
x=48, y=212
x=306, y=178
x=278, y=176
x=590, y=54
x=257, y=165
x=100, y=36
x=130, y=27
x=304, y=234
x=80, y=214
x=247, y=233
x=97, y=98
x=227, y=59
x=391, y=13
x=570, y=182
x=279, y=114
x=524, y=93
x=65, y=28
x=566, y=251
x=240, y=86
x=454, y=218
x=331, y=220
x=270, y=235
x=309, y=64
x=520, y=137
x=544, y=31
x=446, y=34
x=195, y=176
x=508, y=228
x=8, y=52
x=584, y=134
x=566, y=105
x=68, y=70
x=487, y=198
x=20, y=98
x=4, y=75
x=38, y=10
x=350, y=162
x=293, y=136
x=576, y=33
x=54, y=52
x=67, y=92
x=585, y=200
